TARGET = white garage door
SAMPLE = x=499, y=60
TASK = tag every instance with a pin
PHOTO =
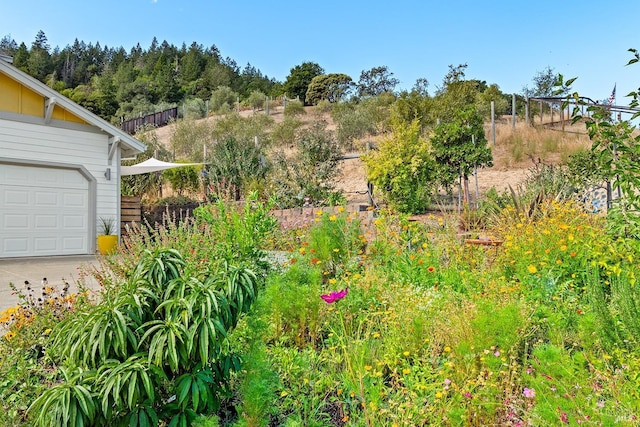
x=43, y=211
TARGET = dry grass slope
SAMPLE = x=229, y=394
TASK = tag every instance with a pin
x=514, y=153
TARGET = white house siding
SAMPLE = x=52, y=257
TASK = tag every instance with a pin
x=50, y=144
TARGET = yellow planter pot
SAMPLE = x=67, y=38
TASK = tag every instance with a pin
x=107, y=244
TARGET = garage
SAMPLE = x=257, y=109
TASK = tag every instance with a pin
x=43, y=211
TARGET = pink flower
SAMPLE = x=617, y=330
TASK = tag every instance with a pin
x=529, y=393
x=468, y=395
x=564, y=417
x=447, y=381
x=335, y=296
x=496, y=353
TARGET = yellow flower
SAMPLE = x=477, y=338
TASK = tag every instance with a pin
x=333, y=218
x=532, y=269
x=9, y=335
x=406, y=371
x=406, y=353
x=332, y=281
x=368, y=367
x=47, y=331
x=341, y=209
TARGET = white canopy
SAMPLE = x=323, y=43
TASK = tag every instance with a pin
x=151, y=165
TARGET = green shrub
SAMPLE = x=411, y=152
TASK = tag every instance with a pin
x=161, y=333
x=403, y=168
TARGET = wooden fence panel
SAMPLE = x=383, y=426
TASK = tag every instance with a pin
x=130, y=213
x=158, y=119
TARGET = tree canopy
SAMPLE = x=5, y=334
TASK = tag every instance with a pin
x=299, y=78
x=329, y=87
x=376, y=81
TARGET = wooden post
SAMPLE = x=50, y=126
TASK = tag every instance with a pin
x=513, y=111
x=540, y=103
x=526, y=111
x=493, y=121
x=475, y=172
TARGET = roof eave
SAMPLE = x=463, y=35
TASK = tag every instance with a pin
x=132, y=145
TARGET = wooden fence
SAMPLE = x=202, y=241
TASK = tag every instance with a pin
x=130, y=212
x=159, y=119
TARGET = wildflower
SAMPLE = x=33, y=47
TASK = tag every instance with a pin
x=431, y=269
x=496, y=353
x=600, y=403
x=468, y=395
x=9, y=335
x=47, y=331
x=447, y=382
x=425, y=246
x=529, y=393
x=334, y=296
x=564, y=417
x=532, y=269
x=333, y=218
x=333, y=281
x=406, y=371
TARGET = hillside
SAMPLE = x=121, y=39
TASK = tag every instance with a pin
x=515, y=152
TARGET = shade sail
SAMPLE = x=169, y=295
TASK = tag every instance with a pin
x=151, y=165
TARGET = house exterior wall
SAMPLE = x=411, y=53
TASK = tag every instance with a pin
x=46, y=144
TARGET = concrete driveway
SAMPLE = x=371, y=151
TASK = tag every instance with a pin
x=55, y=269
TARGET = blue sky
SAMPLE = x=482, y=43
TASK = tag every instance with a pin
x=503, y=42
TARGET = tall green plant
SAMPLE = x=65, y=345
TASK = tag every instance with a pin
x=403, y=167
x=459, y=145
x=162, y=333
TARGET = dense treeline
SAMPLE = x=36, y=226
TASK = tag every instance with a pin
x=114, y=83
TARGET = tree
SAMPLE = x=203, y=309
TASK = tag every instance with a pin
x=500, y=101
x=307, y=176
x=403, y=167
x=184, y=178
x=222, y=99
x=459, y=145
x=39, y=63
x=256, y=100
x=233, y=165
x=543, y=83
x=299, y=78
x=376, y=81
x=8, y=46
x=329, y=87
x=456, y=94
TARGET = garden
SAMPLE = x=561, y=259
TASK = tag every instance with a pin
x=226, y=320
x=223, y=318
